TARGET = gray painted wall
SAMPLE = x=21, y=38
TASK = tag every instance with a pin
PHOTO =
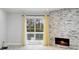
x=3, y=27
x=14, y=29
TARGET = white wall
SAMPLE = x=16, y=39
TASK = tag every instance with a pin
x=14, y=29
x=3, y=27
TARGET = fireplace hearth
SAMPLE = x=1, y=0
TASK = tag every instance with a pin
x=62, y=41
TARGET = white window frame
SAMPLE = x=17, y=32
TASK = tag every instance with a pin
x=35, y=26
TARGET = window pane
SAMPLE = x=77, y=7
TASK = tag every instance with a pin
x=30, y=36
x=39, y=36
x=39, y=25
x=30, y=25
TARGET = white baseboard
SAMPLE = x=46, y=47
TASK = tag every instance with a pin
x=14, y=44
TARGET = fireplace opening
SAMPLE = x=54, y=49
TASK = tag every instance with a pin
x=62, y=41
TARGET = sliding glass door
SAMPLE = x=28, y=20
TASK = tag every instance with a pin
x=35, y=29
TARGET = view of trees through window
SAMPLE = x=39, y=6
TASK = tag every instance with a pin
x=35, y=28
x=35, y=25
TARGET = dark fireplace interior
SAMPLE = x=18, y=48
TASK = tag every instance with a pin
x=62, y=41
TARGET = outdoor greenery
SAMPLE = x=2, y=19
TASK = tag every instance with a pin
x=38, y=25
x=35, y=25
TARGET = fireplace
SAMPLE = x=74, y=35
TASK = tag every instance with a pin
x=62, y=41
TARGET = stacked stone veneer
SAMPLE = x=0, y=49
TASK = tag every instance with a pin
x=64, y=23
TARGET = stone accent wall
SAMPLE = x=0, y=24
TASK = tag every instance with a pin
x=64, y=23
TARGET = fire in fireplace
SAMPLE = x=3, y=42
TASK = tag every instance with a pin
x=62, y=41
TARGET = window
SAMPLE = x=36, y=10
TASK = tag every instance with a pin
x=39, y=36
x=30, y=36
x=35, y=28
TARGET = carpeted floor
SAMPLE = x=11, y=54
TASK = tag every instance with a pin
x=34, y=47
